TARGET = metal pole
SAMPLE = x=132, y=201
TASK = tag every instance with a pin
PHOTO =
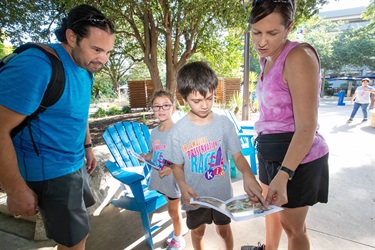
x=246, y=69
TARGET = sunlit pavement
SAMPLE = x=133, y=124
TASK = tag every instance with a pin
x=345, y=222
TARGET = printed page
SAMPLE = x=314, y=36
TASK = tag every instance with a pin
x=140, y=158
x=238, y=208
x=212, y=202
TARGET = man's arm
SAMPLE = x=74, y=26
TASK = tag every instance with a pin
x=90, y=157
x=21, y=199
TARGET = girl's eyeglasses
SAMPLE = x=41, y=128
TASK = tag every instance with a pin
x=164, y=107
x=97, y=20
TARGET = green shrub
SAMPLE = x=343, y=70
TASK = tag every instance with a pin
x=114, y=110
x=99, y=113
x=126, y=110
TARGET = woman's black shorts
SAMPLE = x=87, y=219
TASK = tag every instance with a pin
x=309, y=184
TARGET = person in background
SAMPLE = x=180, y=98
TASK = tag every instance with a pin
x=292, y=155
x=55, y=182
x=198, y=146
x=162, y=104
x=361, y=99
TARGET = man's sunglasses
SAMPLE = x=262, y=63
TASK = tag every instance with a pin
x=96, y=20
x=255, y=2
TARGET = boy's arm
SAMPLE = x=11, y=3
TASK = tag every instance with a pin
x=186, y=191
x=251, y=185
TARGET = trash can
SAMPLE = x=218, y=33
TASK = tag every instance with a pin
x=341, y=98
x=372, y=118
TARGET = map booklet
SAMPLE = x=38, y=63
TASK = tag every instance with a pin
x=238, y=208
x=151, y=163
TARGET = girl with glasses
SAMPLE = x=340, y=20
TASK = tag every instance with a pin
x=162, y=103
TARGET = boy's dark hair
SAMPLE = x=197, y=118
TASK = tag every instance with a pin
x=80, y=18
x=160, y=93
x=262, y=8
x=196, y=77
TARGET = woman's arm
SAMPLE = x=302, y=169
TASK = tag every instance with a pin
x=302, y=75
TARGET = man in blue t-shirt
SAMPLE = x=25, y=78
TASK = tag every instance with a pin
x=55, y=182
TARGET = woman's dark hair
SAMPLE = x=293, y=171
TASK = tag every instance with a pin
x=80, y=18
x=262, y=8
x=196, y=76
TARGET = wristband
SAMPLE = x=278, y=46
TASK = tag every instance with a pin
x=287, y=170
x=88, y=145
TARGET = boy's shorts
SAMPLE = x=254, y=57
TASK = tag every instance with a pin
x=309, y=184
x=200, y=216
x=62, y=203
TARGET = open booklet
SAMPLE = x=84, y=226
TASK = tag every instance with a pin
x=151, y=163
x=238, y=208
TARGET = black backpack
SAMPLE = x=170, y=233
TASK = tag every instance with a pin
x=54, y=89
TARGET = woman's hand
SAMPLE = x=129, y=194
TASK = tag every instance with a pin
x=277, y=190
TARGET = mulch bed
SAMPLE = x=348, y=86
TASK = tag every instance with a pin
x=99, y=125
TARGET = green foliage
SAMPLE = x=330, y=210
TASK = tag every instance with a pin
x=144, y=118
x=102, y=88
x=26, y=20
x=114, y=110
x=149, y=31
x=354, y=47
x=184, y=108
x=224, y=52
x=126, y=109
x=101, y=112
x=369, y=14
x=322, y=34
x=236, y=102
x=5, y=50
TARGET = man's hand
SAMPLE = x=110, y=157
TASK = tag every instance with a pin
x=90, y=160
x=22, y=202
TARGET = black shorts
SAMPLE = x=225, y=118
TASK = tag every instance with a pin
x=309, y=184
x=200, y=216
x=62, y=203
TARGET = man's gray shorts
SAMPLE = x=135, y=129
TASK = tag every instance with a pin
x=62, y=203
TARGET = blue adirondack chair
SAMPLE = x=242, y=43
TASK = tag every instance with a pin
x=132, y=173
x=246, y=134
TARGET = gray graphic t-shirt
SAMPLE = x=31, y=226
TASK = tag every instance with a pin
x=204, y=150
x=165, y=185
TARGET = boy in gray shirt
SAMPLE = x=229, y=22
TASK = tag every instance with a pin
x=198, y=145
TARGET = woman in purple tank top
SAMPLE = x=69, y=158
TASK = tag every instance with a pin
x=292, y=155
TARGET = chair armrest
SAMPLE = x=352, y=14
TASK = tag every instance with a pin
x=128, y=176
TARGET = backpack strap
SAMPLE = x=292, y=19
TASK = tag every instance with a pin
x=54, y=90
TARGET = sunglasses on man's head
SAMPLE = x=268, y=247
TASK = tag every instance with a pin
x=97, y=20
x=255, y=2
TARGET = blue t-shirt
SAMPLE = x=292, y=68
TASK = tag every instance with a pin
x=59, y=132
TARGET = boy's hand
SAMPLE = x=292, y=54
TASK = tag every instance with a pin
x=253, y=189
x=186, y=193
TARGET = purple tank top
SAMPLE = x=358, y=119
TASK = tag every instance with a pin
x=275, y=105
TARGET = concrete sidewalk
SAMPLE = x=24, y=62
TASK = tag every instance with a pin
x=347, y=221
